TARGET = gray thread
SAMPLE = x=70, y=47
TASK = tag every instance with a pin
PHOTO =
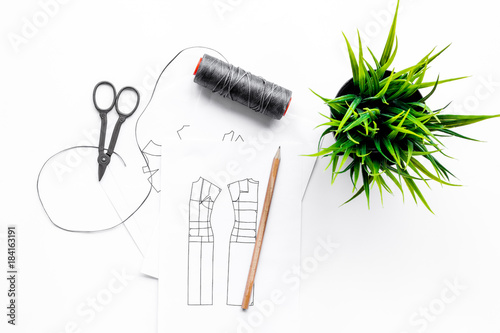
x=243, y=87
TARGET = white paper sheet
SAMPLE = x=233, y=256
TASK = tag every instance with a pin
x=183, y=110
x=212, y=197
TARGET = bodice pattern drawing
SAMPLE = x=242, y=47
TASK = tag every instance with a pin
x=201, y=242
x=244, y=194
x=201, y=202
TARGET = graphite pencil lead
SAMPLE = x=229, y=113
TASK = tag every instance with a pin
x=278, y=153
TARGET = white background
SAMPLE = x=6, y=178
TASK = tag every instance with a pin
x=392, y=261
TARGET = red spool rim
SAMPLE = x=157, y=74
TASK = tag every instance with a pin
x=197, y=66
x=288, y=106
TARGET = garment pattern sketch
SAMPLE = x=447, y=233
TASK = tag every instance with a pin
x=152, y=154
x=201, y=242
x=229, y=136
x=244, y=195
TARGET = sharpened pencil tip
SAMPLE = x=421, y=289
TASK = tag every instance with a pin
x=278, y=153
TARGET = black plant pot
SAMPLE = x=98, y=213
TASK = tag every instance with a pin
x=349, y=88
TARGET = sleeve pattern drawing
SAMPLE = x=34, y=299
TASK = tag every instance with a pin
x=152, y=154
x=201, y=242
x=244, y=195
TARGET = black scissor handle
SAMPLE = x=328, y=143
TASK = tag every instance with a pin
x=127, y=114
x=104, y=83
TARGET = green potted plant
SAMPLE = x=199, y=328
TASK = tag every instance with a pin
x=384, y=131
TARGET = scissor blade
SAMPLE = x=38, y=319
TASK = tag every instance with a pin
x=101, y=170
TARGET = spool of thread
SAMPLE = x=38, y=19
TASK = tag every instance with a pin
x=243, y=87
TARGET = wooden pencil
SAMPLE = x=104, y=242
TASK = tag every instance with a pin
x=262, y=228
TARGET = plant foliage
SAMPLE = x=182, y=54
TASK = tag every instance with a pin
x=384, y=129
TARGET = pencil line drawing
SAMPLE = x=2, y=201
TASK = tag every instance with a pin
x=229, y=136
x=178, y=132
x=152, y=155
x=201, y=242
x=244, y=195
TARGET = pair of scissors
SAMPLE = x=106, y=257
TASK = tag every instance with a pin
x=105, y=154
